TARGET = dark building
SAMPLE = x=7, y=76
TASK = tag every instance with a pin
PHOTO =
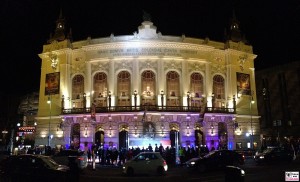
x=278, y=95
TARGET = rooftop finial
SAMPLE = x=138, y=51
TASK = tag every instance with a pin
x=146, y=16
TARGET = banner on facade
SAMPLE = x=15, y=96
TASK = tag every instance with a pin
x=52, y=83
x=243, y=84
x=93, y=111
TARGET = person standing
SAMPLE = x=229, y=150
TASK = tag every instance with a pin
x=94, y=152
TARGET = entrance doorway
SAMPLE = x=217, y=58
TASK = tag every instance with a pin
x=199, y=139
x=99, y=138
x=123, y=140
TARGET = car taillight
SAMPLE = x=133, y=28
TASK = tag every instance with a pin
x=165, y=163
x=80, y=158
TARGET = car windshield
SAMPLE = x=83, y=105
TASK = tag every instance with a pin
x=268, y=150
x=210, y=154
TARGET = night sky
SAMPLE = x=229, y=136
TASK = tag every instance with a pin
x=271, y=27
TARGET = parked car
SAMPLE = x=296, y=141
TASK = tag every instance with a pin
x=203, y=150
x=217, y=159
x=146, y=163
x=33, y=168
x=247, y=152
x=274, y=155
x=75, y=159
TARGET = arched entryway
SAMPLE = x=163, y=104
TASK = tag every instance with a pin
x=223, y=135
x=99, y=138
x=174, y=137
x=123, y=140
x=199, y=138
x=75, y=136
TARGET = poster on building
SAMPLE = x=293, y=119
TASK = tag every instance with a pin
x=52, y=83
x=243, y=84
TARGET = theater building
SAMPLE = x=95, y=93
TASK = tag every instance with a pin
x=147, y=88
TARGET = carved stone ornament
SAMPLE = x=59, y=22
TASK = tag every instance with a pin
x=54, y=60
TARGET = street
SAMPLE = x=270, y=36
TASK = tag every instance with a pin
x=274, y=173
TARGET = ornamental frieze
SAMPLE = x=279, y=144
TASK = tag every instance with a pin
x=123, y=64
x=172, y=64
x=149, y=64
x=100, y=66
x=196, y=66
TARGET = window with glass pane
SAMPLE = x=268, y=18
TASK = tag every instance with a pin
x=100, y=85
x=100, y=89
x=196, y=85
x=124, y=88
x=77, y=87
x=148, y=87
x=196, y=89
x=219, y=90
x=173, y=89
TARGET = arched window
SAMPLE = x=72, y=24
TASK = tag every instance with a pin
x=148, y=87
x=219, y=90
x=173, y=89
x=77, y=91
x=196, y=90
x=100, y=89
x=219, y=87
x=124, y=88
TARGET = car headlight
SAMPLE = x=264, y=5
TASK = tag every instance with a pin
x=242, y=172
x=193, y=163
x=261, y=157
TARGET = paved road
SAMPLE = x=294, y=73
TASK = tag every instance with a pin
x=272, y=173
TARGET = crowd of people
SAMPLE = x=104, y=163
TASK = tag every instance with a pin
x=113, y=156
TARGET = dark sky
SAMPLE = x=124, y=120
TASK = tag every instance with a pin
x=271, y=27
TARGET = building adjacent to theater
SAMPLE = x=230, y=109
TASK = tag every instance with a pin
x=278, y=100
x=147, y=88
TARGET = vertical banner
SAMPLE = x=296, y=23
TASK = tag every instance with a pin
x=243, y=84
x=52, y=83
x=93, y=111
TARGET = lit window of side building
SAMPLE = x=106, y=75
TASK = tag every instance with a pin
x=147, y=88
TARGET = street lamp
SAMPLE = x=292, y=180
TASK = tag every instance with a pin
x=162, y=99
x=251, y=102
x=213, y=100
x=50, y=104
x=188, y=100
x=135, y=94
x=109, y=100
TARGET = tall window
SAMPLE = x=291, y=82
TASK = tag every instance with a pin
x=219, y=90
x=196, y=85
x=124, y=88
x=77, y=87
x=196, y=89
x=148, y=87
x=100, y=89
x=173, y=89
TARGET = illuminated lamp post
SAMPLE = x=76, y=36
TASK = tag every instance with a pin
x=50, y=114
x=162, y=99
x=251, y=137
x=109, y=100
x=188, y=100
x=135, y=98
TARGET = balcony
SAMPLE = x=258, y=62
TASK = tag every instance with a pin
x=148, y=108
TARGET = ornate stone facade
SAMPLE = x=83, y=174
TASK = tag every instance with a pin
x=148, y=88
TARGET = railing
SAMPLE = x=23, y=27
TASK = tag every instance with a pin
x=219, y=110
x=148, y=108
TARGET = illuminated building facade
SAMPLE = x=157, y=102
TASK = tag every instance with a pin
x=147, y=88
